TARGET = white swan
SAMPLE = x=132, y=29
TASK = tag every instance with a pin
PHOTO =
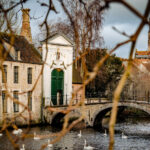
x=36, y=137
x=20, y=131
x=105, y=134
x=80, y=134
x=87, y=147
x=23, y=147
x=49, y=145
x=124, y=136
x=17, y=131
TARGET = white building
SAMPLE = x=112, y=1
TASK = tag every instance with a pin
x=19, y=73
x=57, y=75
x=20, y=83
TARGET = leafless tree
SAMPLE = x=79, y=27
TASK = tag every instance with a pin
x=11, y=19
x=85, y=18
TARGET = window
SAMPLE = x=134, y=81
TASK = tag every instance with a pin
x=30, y=100
x=4, y=75
x=4, y=101
x=16, y=55
x=16, y=77
x=29, y=75
x=15, y=104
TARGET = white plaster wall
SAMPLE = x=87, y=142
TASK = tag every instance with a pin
x=66, y=57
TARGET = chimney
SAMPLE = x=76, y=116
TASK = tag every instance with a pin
x=149, y=37
x=26, y=30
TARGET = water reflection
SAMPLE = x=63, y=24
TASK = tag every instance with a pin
x=138, y=139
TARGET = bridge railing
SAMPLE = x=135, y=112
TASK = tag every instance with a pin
x=145, y=98
x=60, y=100
x=93, y=99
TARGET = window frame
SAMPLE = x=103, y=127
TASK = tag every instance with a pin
x=4, y=101
x=16, y=97
x=29, y=75
x=16, y=74
x=4, y=76
x=29, y=94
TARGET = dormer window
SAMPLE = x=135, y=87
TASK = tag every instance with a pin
x=17, y=55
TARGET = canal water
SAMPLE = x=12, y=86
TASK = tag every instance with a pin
x=138, y=138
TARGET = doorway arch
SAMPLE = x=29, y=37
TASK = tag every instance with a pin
x=57, y=86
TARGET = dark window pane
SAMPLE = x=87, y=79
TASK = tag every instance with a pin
x=16, y=73
x=15, y=104
x=4, y=101
x=29, y=75
x=4, y=74
x=30, y=100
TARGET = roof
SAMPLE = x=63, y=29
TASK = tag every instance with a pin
x=142, y=53
x=76, y=77
x=28, y=53
x=56, y=34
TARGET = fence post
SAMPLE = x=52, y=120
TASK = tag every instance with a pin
x=66, y=100
x=99, y=97
x=148, y=96
x=42, y=109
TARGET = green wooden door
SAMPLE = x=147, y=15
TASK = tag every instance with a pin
x=57, y=86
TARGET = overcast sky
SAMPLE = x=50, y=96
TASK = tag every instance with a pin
x=124, y=20
x=117, y=16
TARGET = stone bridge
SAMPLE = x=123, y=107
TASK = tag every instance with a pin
x=94, y=112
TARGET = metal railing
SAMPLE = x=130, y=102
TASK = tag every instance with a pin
x=63, y=100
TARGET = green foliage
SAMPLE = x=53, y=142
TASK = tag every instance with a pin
x=107, y=76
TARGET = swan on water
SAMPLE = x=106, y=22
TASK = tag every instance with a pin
x=49, y=145
x=36, y=137
x=124, y=136
x=17, y=131
x=87, y=147
x=23, y=147
x=80, y=134
x=105, y=134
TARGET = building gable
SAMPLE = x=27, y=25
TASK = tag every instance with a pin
x=59, y=39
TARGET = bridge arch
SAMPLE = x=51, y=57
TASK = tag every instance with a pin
x=58, y=117
x=100, y=113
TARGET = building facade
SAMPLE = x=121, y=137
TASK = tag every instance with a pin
x=20, y=79
x=57, y=74
x=139, y=79
x=24, y=83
